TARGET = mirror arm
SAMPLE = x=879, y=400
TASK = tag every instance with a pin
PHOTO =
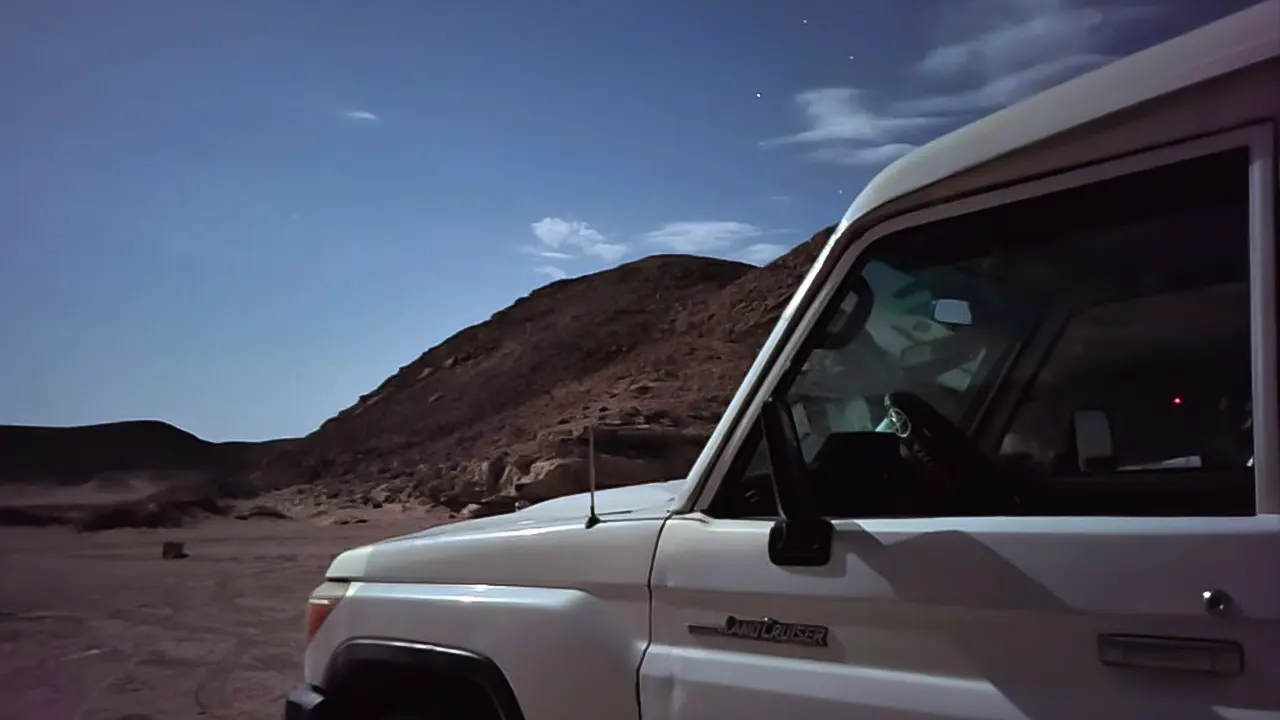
x=801, y=537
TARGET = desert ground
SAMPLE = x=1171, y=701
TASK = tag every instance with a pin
x=96, y=626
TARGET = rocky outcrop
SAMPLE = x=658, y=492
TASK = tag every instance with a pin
x=625, y=455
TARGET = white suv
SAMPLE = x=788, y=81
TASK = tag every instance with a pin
x=1010, y=452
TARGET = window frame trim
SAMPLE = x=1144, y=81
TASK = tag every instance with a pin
x=1258, y=138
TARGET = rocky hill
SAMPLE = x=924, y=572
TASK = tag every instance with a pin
x=648, y=354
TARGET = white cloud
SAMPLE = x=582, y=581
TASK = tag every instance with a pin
x=543, y=252
x=609, y=252
x=761, y=253
x=702, y=236
x=361, y=115
x=839, y=114
x=870, y=155
x=563, y=239
x=1019, y=34
x=551, y=270
x=1018, y=48
x=1006, y=89
x=557, y=232
x=780, y=198
x=847, y=131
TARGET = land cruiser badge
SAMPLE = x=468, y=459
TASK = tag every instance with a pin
x=766, y=630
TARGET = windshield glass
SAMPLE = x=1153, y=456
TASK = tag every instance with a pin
x=904, y=345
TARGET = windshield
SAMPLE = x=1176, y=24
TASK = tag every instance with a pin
x=902, y=345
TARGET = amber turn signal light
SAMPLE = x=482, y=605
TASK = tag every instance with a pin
x=322, y=602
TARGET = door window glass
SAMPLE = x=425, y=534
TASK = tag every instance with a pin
x=1080, y=353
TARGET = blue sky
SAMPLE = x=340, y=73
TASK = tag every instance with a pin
x=239, y=215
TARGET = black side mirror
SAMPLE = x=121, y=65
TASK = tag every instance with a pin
x=799, y=542
x=802, y=537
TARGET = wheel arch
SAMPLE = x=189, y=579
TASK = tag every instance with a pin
x=354, y=656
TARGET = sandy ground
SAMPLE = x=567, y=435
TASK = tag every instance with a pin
x=99, y=627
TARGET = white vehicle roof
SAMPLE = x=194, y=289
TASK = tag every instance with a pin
x=1245, y=39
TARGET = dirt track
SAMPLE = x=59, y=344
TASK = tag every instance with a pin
x=98, y=627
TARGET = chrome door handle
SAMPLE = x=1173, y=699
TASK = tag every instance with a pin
x=1153, y=652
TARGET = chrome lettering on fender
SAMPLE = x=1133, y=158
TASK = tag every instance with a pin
x=766, y=630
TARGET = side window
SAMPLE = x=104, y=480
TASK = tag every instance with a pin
x=1079, y=353
x=1153, y=383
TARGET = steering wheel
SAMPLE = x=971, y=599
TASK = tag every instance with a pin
x=936, y=445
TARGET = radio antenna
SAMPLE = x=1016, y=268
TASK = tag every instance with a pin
x=592, y=518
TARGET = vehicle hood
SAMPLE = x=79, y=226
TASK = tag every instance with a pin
x=651, y=500
x=544, y=545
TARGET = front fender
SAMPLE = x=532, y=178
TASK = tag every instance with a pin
x=564, y=653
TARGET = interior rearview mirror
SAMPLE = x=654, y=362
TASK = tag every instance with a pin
x=848, y=318
x=949, y=311
x=1094, y=448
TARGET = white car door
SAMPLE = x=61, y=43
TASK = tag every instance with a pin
x=1083, y=604
x=1012, y=618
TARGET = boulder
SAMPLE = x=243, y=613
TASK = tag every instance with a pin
x=170, y=550
x=556, y=477
x=262, y=511
x=474, y=482
x=511, y=477
x=495, y=505
x=552, y=478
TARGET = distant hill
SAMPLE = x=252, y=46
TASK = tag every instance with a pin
x=79, y=454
